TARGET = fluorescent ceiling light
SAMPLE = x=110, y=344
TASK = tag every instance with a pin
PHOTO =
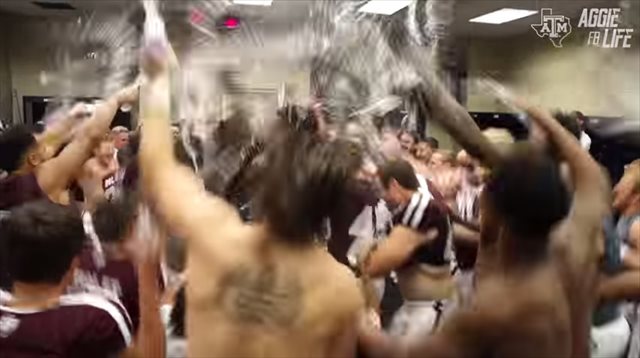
x=253, y=2
x=503, y=15
x=384, y=7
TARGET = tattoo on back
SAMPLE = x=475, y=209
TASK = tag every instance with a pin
x=261, y=296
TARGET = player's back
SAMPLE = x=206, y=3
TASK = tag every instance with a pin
x=269, y=298
x=532, y=315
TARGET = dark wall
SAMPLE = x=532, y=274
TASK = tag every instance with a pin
x=613, y=155
x=36, y=106
x=613, y=152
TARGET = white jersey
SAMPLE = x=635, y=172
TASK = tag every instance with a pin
x=585, y=141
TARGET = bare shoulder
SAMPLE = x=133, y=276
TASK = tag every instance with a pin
x=333, y=291
x=340, y=279
x=541, y=295
x=219, y=243
x=526, y=319
x=91, y=168
x=485, y=308
x=346, y=277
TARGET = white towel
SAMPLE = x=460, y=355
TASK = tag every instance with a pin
x=97, y=252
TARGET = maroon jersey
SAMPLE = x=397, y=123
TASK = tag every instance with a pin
x=19, y=189
x=427, y=210
x=117, y=280
x=81, y=325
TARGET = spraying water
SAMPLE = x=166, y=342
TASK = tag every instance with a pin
x=93, y=56
x=359, y=68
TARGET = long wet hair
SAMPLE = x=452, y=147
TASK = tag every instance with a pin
x=302, y=182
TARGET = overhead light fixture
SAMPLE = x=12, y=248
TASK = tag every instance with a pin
x=384, y=7
x=53, y=5
x=253, y=2
x=503, y=15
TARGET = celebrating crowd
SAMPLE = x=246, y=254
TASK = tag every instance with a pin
x=111, y=244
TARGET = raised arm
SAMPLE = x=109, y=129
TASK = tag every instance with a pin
x=91, y=184
x=56, y=174
x=150, y=339
x=60, y=131
x=591, y=186
x=444, y=109
x=175, y=192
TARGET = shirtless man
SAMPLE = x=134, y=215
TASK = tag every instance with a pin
x=97, y=178
x=264, y=289
x=625, y=285
x=446, y=175
x=626, y=201
x=421, y=261
x=547, y=272
x=34, y=172
x=585, y=223
x=425, y=149
x=422, y=152
x=407, y=141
